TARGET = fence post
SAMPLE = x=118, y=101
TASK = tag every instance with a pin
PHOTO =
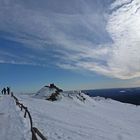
x=21, y=106
x=39, y=133
x=33, y=134
x=16, y=102
x=25, y=112
x=11, y=94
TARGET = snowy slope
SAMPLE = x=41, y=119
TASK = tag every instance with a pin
x=47, y=91
x=92, y=119
x=44, y=92
x=12, y=124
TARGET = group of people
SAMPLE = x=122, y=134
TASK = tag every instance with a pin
x=6, y=91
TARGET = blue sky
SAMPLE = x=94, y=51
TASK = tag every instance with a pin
x=77, y=44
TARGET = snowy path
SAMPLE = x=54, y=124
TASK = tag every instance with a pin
x=12, y=126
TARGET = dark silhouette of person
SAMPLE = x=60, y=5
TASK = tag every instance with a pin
x=4, y=91
x=8, y=90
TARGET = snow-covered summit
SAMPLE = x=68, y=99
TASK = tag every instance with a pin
x=51, y=92
x=54, y=93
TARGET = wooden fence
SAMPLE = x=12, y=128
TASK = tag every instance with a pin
x=34, y=130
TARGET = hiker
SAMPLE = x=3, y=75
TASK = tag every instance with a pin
x=8, y=90
x=4, y=91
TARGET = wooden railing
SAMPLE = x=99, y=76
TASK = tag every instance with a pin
x=34, y=130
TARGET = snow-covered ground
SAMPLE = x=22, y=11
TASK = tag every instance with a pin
x=12, y=124
x=92, y=119
x=70, y=118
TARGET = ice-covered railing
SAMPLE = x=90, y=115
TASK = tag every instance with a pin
x=34, y=130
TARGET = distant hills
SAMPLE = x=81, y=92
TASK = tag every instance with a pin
x=126, y=95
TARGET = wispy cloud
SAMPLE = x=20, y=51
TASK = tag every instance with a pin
x=96, y=36
x=123, y=26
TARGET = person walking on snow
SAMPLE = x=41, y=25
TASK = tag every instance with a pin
x=8, y=90
x=4, y=91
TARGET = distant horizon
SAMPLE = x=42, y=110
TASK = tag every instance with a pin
x=81, y=89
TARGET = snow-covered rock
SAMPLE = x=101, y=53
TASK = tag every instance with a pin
x=44, y=92
x=50, y=92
